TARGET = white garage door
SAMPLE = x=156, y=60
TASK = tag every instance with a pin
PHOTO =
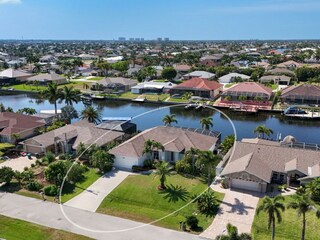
x=247, y=185
x=124, y=162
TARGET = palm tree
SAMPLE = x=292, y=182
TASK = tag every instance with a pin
x=261, y=130
x=85, y=85
x=207, y=161
x=192, y=153
x=273, y=207
x=206, y=123
x=302, y=204
x=53, y=93
x=168, y=119
x=163, y=170
x=70, y=95
x=16, y=138
x=151, y=146
x=92, y=114
x=187, y=95
x=313, y=189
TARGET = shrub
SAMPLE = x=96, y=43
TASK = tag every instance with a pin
x=25, y=169
x=34, y=186
x=49, y=158
x=56, y=172
x=62, y=157
x=6, y=175
x=102, y=160
x=148, y=163
x=136, y=168
x=192, y=222
x=33, y=165
x=38, y=162
x=183, y=166
x=50, y=190
x=207, y=203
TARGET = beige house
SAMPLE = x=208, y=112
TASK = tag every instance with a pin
x=174, y=140
x=21, y=125
x=257, y=164
x=47, y=78
x=69, y=137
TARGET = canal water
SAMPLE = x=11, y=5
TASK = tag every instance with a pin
x=303, y=131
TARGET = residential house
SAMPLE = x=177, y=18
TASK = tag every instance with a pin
x=47, y=78
x=117, y=84
x=14, y=75
x=24, y=126
x=291, y=65
x=249, y=90
x=85, y=56
x=199, y=74
x=279, y=80
x=152, y=87
x=198, y=87
x=182, y=69
x=232, y=77
x=281, y=71
x=176, y=141
x=69, y=137
x=211, y=61
x=301, y=94
x=257, y=164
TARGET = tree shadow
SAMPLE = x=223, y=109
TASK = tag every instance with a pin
x=175, y=193
x=238, y=207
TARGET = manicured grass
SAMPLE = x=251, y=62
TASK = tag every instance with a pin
x=178, y=100
x=138, y=198
x=70, y=190
x=289, y=228
x=229, y=85
x=95, y=78
x=128, y=95
x=150, y=97
x=26, y=87
x=15, y=229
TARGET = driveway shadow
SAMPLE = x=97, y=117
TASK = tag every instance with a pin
x=238, y=207
x=175, y=193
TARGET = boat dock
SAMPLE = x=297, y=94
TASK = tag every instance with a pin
x=307, y=115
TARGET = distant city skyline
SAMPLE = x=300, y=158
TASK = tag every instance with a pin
x=176, y=20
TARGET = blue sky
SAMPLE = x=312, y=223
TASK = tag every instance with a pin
x=176, y=19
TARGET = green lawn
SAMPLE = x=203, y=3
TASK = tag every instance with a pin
x=14, y=229
x=150, y=97
x=95, y=78
x=70, y=191
x=289, y=228
x=178, y=100
x=138, y=198
x=32, y=88
x=229, y=85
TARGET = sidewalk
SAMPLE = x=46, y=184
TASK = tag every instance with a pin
x=91, y=198
x=49, y=214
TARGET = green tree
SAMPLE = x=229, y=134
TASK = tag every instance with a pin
x=92, y=114
x=206, y=163
x=102, y=160
x=68, y=113
x=53, y=94
x=55, y=172
x=227, y=143
x=104, y=66
x=150, y=146
x=28, y=111
x=15, y=137
x=207, y=203
x=6, y=175
x=262, y=130
x=206, y=123
x=76, y=172
x=122, y=66
x=70, y=95
x=273, y=207
x=313, y=189
x=163, y=170
x=302, y=204
x=168, y=73
x=169, y=119
x=187, y=95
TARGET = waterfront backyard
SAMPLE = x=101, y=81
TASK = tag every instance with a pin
x=137, y=198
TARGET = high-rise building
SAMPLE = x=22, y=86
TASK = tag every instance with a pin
x=159, y=39
x=166, y=39
x=122, y=39
x=131, y=39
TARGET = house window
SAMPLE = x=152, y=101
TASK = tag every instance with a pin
x=275, y=176
x=281, y=178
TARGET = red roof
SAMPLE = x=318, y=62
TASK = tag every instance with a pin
x=199, y=83
x=250, y=87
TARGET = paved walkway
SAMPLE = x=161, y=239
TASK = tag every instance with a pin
x=237, y=208
x=91, y=198
x=19, y=163
x=49, y=214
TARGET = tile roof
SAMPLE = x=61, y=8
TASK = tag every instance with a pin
x=12, y=73
x=199, y=83
x=250, y=87
x=46, y=77
x=80, y=132
x=17, y=123
x=268, y=156
x=173, y=139
x=301, y=90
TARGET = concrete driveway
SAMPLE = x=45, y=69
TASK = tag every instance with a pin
x=91, y=198
x=237, y=208
x=19, y=163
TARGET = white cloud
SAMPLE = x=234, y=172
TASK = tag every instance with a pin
x=10, y=1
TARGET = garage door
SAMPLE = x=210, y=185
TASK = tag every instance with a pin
x=246, y=185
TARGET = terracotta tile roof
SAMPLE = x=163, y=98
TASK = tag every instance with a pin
x=173, y=139
x=199, y=83
x=16, y=123
x=250, y=87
